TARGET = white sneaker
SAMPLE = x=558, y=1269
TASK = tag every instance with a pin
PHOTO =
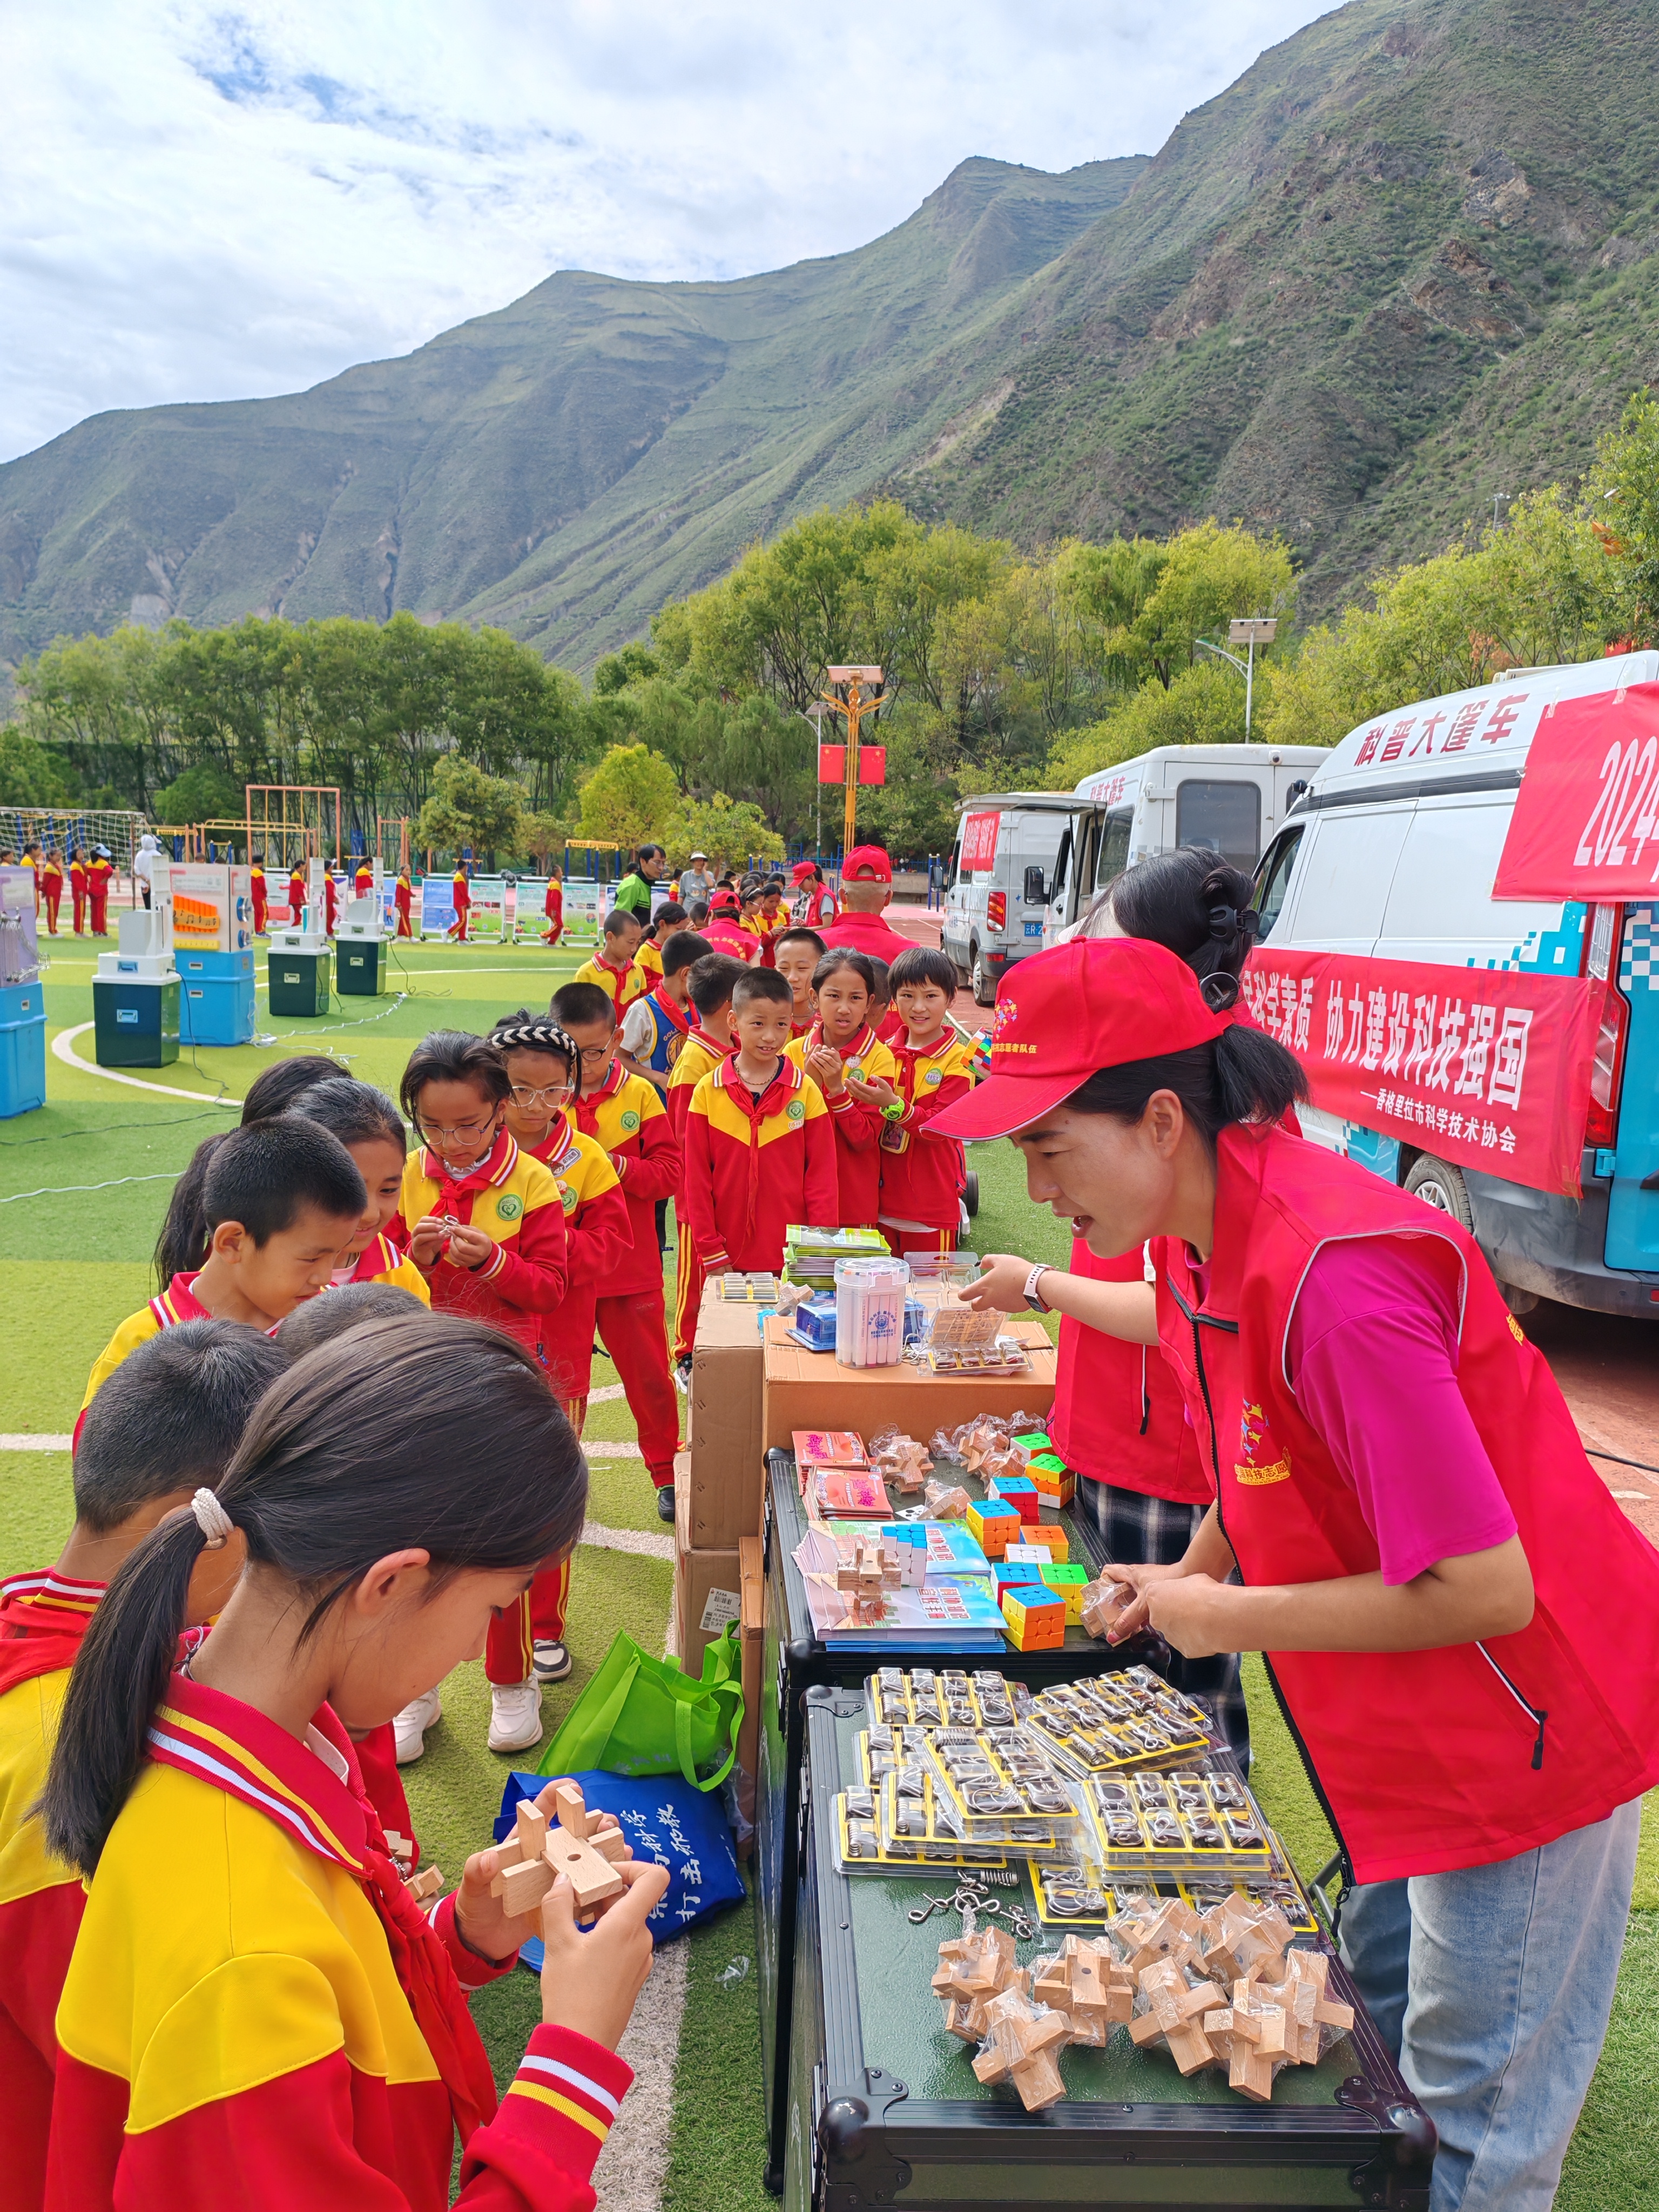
x=409, y=1728
x=515, y=1716
x=550, y=1660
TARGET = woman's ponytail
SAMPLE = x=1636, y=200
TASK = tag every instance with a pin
x=119, y=1678
x=182, y=1246
x=1257, y=1077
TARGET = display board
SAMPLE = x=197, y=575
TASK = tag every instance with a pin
x=212, y=908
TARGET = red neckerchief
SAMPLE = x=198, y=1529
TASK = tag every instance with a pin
x=178, y=1302
x=860, y=1044
x=610, y=968
x=910, y=1056
x=380, y=1256
x=458, y=1196
x=43, y=1617
x=234, y=1748
x=790, y=1078
x=676, y=1015
x=588, y=1103
x=559, y=1147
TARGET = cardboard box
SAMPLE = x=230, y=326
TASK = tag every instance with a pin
x=707, y=1592
x=752, y=1578
x=807, y=1390
x=723, y=1425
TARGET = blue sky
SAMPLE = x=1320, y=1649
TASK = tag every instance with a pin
x=209, y=203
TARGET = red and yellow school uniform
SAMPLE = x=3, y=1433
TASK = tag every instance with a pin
x=296, y=895
x=596, y=1242
x=100, y=874
x=648, y=960
x=402, y=897
x=516, y=1202
x=922, y=1176
x=380, y=1261
x=858, y=1126
x=255, y=878
x=259, y=2010
x=51, y=890
x=331, y=902
x=697, y=1056
x=166, y=1311
x=461, y=898
x=43, y=1617
x=757, y=940
x=753, y=1165
x=626, y=1115
x=553, y=907
x=621, y=985
x=77, y=876
x=363, y=882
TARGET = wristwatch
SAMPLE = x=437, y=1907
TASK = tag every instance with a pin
x=1032, y=1296
x=894, y=1112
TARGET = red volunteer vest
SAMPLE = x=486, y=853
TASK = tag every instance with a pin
x=1425, y=1761
x=1119, y=1415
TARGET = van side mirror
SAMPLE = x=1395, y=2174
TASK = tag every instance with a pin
x=1036, y=895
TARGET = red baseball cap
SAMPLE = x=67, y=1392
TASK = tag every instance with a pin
x=801, y=870
x=867, y=864
x=1097, y=1002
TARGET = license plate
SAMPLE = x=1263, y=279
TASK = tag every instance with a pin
x=1034, y=929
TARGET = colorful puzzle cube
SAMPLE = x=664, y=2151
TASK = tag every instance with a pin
x=994, y=1525
x=1037, y=1623
x=1067, y=1582
x=1037, y=1441
x=1017, y=1491
x=1017, y=1576
x=1051, y=1535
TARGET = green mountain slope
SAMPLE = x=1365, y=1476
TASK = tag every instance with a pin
x=1409, y=261
x=466, y=476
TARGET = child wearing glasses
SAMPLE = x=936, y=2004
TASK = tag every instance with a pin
x=484, y=1222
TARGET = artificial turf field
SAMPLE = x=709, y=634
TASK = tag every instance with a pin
x=84, y=1184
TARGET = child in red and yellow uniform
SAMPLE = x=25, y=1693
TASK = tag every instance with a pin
x=647, y=956
x=751, y=921
x=52, y=889
x=460, y=892
x=281, y=1200
x=254, y=1992
x=795, y=953
x=256, y=892
x=553, y=907
x=330, y=901
x=100, y=873
x=171, y=1420
x=625, y=1114
x=707, y=1043
x=855, y=1071
x=77, y=877
x=759, y=1149
x=402, y=897
x=613, y=967
x=296, y=893
x=922, y=1176
x=362, y=880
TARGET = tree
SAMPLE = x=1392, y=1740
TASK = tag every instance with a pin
x=468, y=808
x=203, y=793
x=618, y=670
x=1203, y=705
x=725, y=829
x=29, y=774
x=631, y=797
x=1622, y=498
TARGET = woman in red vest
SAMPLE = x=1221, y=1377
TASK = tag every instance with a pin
x=1461, y=1627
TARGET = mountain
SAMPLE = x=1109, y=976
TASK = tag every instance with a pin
x=1408, y=263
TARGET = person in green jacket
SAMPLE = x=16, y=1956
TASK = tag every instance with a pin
x=633, y=891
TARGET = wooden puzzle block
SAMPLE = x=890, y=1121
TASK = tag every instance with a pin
x=534, y=1856
x=427, y=1883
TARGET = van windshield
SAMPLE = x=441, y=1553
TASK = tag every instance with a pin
x=1224, y=815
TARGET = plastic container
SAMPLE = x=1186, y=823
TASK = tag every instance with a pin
x=870, y=1312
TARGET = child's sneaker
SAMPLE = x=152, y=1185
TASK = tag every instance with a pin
x=409, y=1728
x=551, y=1661
x=515, y=1716
x=665, y=1503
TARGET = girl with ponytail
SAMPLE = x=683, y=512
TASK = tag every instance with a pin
x=254, y=1989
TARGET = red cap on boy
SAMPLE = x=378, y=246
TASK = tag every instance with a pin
x=867, y=864
x=1097, y=1002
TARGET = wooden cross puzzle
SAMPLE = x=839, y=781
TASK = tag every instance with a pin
x=541, y=1853
x=1021, y=2046
x=901, y=1462
x=868, y=1569
x=973, y=1968
x=1090, y=1985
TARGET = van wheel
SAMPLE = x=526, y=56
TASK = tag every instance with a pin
x=981, y=981
x=1439, y=1184
x=970, y=1193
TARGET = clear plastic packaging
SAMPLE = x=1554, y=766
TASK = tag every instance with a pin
x=870, y=1312
x=1021, y=2046
x=945, y=1501
x=1088, y=1982
x=954, y=1697
x=974, y=1969
x=900, y=1461
x=996, y=1786
x=1104, y=1603
x=1114, y=1721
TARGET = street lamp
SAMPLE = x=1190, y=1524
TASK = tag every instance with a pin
x=815, y=714
x=1249, y=631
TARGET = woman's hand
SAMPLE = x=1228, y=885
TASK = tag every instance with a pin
x=823, y=1065
x=591, y=1980
x=1139, y=1580
x=1190, y=1613
x=469, y=1247
x=1001, y=1285
x=871, y=1091
x=484, y=1925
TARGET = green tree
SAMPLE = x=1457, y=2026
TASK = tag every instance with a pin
x=1622, y=498
x=631, y=797
x=727, y=829
x=469, y=808
x=203, y=793
x=1203, y=705
x=618, y=670
x=29, y=774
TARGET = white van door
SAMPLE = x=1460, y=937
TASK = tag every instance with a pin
x=1341, y=895
x=1440, y=906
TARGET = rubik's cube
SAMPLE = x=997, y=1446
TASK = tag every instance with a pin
x=1050, y=1535
x=1068, y=1583
x=994, y=1525
x=1016, y=1490
x=1051, y=1478
x=1037, y=1623
x=1018, y=1578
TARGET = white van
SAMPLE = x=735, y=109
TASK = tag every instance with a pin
x=1390, y=855
x=1229, y=798
x=996, y=892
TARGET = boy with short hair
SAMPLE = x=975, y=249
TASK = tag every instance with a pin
x=282, y=1201
x=613, y=967
x=167, y=1424
x=795, y=953
x=707, y=1043
x=655, y=1027
x=922, y=1176
x=666, y=919
x=855, y=1071
x=623, y=1111
x=759, y=1149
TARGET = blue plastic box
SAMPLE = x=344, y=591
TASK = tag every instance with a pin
x=215, y=998
x=22, y=1050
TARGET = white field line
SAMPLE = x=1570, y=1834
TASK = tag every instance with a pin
x=63, y=1048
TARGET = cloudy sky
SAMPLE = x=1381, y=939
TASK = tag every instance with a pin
x=199, y=203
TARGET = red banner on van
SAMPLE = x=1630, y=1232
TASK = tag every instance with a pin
x=1586, y=820
x=979, y=840
x=1482, y=1067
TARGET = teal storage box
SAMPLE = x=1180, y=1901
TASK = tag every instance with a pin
x=299, y=983
x=215, y=998
x=135, y=1021
x=360, y=966
x=22, y=1049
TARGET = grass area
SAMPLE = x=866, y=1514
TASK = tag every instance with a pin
x=72, y=1265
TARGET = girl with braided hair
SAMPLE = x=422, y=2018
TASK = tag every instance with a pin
x=544, y=1067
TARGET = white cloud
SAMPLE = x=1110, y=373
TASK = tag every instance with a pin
x=202, y=203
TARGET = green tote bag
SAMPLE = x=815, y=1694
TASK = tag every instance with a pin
x=642, y=1715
